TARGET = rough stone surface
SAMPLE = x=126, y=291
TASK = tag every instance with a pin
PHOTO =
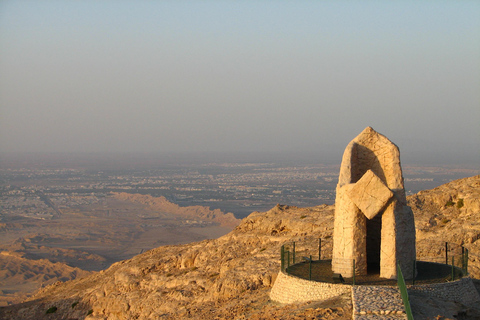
x=377, y=302
x=462, y=291
x=371, y=226
x=290, y=289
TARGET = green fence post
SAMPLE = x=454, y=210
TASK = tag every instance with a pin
x=293, y=258
x=288, y=260
x=310, y=269
x=466, y=261
x=446, y=252
x=453, y=268
x=463, y=258
x=319, y=248
x=414, y=271
x=282, y=257
x=353, y=267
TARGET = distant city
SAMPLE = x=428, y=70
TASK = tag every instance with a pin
x=42, y=191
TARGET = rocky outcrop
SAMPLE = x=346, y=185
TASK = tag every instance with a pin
x=449, y=213
x=161, y=204
x=456, y=197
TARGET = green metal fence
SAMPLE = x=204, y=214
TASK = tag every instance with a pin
x=443, y=252
x=310, y=259
x=454, y=255
x=303, y=251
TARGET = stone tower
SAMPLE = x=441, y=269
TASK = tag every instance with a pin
x=373, y=223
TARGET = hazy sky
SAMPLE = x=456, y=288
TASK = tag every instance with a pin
x=240, y=76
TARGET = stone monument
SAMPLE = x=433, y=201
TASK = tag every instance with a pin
x=373, y=224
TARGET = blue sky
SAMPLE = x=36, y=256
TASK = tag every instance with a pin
x=240, y=76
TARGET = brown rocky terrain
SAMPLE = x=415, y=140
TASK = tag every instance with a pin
x=230, y=277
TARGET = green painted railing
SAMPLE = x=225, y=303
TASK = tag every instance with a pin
x=403, y=291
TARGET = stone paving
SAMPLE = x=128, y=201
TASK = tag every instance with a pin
x=377, y=302
x=379, y=317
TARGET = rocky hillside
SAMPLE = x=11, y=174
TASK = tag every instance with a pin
x=212, y=279
x=195, y=212
x=16, y=271
x=230, y=277
x=449, y=213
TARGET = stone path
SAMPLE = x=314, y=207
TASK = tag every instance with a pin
x=377, y=302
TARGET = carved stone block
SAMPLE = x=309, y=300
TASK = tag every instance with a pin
x=370, y=194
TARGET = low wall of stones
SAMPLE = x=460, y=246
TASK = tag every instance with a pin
x=462, y=291
x=291, y=289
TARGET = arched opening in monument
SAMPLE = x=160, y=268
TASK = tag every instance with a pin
x=366, y=159
x=374, y=240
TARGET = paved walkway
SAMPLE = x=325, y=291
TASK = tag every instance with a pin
x=377, y=302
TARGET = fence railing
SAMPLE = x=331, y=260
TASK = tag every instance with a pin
x=441, y=252
x=308, y=259
x=447, y=253
x=297, y=251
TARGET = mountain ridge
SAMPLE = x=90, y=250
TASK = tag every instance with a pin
x=162, y=204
